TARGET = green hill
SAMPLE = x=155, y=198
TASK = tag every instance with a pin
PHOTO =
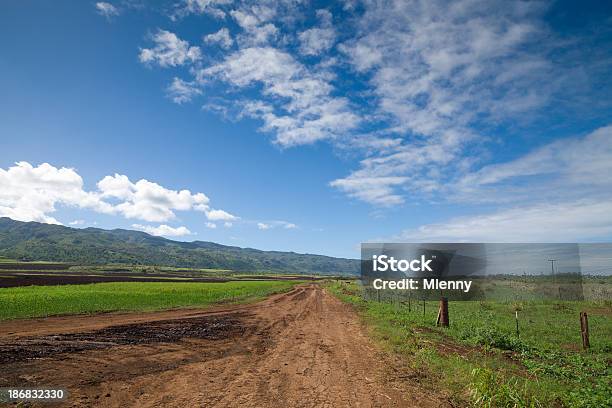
x=32, y=241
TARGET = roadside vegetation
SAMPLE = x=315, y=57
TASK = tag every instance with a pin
x=480, y=359
x=41, y=301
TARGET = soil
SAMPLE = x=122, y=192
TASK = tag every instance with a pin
x=303, y=348
x=10, y=280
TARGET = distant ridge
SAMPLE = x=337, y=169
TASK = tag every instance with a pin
x=33, y=241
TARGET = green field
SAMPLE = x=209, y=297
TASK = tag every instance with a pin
x=37, y=301
x=480, y=360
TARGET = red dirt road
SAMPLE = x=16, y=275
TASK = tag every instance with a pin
x=300, y=349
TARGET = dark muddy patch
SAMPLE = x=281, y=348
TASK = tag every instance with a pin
x=165, y=331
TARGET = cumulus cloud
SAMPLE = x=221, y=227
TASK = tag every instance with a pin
x=263, y=226
x=149, y=201
x=211, y=225
x=169, y=51
x=163, y=230
x=29, y=193
x=106, y=9
x=182, y=91
x=222, y=38
x=76, y=222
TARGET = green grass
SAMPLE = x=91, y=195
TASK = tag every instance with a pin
x=480, y=361
x=38, y=301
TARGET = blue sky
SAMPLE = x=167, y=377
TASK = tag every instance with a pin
x=310, y=126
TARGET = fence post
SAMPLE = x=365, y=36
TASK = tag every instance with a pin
x=584, y=330
x=518, y=334
x=443, y=313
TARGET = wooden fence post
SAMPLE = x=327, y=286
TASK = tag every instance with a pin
x=442, y=319
x=518, y=334
x=584, y=330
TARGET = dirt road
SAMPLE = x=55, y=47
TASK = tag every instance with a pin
x=300, y=349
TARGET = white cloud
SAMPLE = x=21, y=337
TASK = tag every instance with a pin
x=276, y=224
x=254, y=22
x=163, y=230
x=211, y=225
x=169, y=51
x=211, y=7
x=221, y=38
x=228, y=224
x=437, y=70
x=317, y=40
x=76, y=222
x=182, y=91
x=305, y=112
x=418, y=92
x=30, y=193
x=220, y=215
x=106, y=9
x=565, y=168
x=374, y=190
x=149, y=201
x=563, y=222
x=559, y=192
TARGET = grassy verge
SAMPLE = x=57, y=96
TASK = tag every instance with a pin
x=480, y=361
x=37, y=301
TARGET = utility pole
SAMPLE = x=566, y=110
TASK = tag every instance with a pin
x=552, y=266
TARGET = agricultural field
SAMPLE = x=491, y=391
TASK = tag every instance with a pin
x=482, y=360
x=42, y=301
x=15, y=274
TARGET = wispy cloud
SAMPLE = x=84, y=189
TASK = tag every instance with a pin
x=421, y=92
x=574, y=221
x=181, y=91
x=301, y=109
x=569, y=168
x=107, y=9
x=558, y=192
x=276, y=224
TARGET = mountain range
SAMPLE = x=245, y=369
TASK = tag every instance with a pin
x=33, y=241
